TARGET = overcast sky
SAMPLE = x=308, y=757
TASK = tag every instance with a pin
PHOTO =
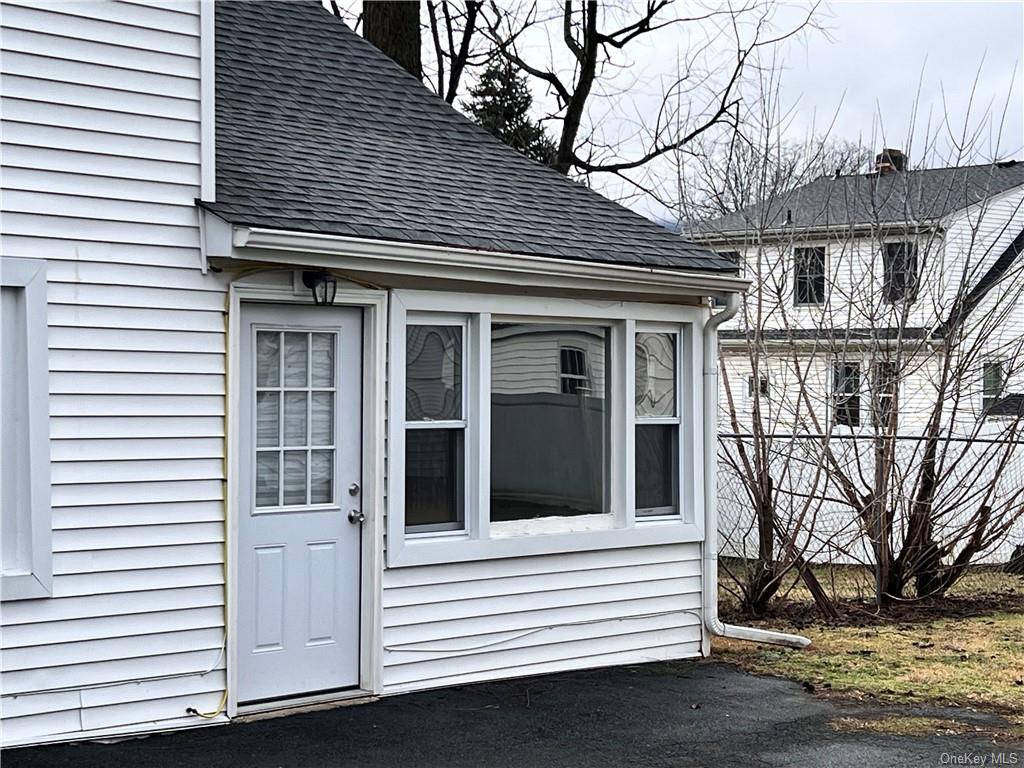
x=860, y=79
x=880, y=50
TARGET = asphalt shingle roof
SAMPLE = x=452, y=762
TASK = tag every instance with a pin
x=895, y=197
x=318, y=131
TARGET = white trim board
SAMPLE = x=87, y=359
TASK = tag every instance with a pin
x=207, y=103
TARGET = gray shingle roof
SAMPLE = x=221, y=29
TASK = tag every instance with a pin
x=318, y=131
x=897, y=197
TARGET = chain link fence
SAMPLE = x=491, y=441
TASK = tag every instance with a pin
x=789, y=499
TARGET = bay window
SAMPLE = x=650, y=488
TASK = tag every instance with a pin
x=529, y=425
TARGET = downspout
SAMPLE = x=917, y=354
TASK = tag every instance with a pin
x=709, y=586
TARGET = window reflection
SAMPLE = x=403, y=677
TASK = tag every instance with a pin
x=549, y=420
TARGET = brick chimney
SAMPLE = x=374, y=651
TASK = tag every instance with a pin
x=889, y=160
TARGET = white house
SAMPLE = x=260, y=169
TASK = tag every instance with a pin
x=312, y=390
x=856, y=279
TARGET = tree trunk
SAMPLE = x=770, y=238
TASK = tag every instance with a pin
x=394, y=27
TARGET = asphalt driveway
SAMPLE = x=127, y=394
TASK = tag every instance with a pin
x=680, y=714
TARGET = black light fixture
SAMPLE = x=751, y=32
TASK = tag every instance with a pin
x=322, y=284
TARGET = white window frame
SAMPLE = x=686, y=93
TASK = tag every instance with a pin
x=564, y=377
x=987, y=399
x=836, y=395
x=619, y=527
x=37, y=581
x=663, y=513
x=463, y=323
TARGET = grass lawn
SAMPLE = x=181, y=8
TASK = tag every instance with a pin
x=975, y=661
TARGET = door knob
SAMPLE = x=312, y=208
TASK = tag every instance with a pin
x=355, y=516
x=353, y=490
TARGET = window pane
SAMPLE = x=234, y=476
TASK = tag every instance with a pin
x=268, y=359
x=657, y=469
x=294, y=477
x=295, y=359
x=549, y=446
x=323, y=418
x=268, y=405
x=846, y=394
x=294, y=418
x=655, y=374
x=809, y=275
x=267, y=478
x=321, y=477
x=433, y=374
x=323, y=360
x=433, y=479
x=16, y=528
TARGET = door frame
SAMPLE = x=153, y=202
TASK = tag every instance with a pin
x=374, y=305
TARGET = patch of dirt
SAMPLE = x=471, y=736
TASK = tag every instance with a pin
x=911, y=725
x=861, y=613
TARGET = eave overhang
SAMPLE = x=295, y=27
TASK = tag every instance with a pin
x=357, y=256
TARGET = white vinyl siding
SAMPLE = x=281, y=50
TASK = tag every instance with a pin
x=101, y=132
x=465, y=622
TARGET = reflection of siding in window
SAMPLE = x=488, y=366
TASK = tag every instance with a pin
x=573, y=371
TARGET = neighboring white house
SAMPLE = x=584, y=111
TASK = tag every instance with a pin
x=312, y=389
x=854, y=280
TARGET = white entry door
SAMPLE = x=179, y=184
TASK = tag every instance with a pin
x=300, y=504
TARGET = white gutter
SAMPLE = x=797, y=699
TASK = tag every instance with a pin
x=342, y=252
x=709, y=586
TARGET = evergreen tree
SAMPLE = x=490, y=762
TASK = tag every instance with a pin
x=500, y=103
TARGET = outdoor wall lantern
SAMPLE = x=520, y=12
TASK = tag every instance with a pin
x=322, y=284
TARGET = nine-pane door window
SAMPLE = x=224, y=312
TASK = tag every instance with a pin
x=295, y=393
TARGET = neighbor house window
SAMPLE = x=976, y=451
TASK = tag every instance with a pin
x=846, y=394
x=24, y=431
x=758, y=386
x=993, y=382
x=549, y=420
x=657, y=424
x=886, y=376
x=901, y=276
x=808, y=276
x=435, y=428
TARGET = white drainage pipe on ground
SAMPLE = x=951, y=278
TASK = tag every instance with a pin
x=710, y=546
